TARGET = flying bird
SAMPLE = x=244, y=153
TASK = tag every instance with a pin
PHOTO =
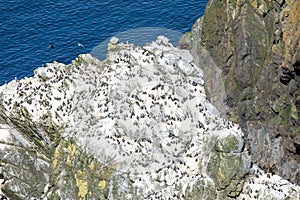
x=80, y=45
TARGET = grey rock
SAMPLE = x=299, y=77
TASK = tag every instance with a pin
x=254, y=46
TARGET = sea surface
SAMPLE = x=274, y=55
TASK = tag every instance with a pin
x=29, y=27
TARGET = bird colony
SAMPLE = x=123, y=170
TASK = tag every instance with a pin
x=144, y=109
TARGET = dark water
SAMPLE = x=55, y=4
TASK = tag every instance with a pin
x=28, y=27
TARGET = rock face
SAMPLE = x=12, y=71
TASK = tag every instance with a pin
x=136, y=126
x=252, y=47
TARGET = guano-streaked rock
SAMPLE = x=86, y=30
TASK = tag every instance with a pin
x=136, y=126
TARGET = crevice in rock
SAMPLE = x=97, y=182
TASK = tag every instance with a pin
x=297, y=67
x=286, y=76
x=297, y=146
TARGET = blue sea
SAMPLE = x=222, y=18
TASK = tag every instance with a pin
x=29, y=27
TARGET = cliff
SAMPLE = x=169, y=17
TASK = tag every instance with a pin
x=253, y=77
x=141, y=125
x=136, y=126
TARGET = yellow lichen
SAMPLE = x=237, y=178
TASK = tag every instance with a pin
x=82, y=184
x=92, y=166
x=290, y=2
x=55, y=157
x=254, y=4
x=260, y=6
x=221, y=174
x=102, y=184
x=109, y=170
x=291, y=29
x=71, y=151
x=294, y=112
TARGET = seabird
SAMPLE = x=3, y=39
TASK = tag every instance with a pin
x=80, y=45
x=51, y=46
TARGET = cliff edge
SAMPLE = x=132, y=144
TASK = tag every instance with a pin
x=136, y=126
x=252, y=48
x=159, y=122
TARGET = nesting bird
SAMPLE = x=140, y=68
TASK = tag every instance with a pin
x=149, y=110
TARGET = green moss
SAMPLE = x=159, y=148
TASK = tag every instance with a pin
x=234, y=188
x=226, y=167
x=223, y=167
x=238, y=87
x=232, y=143
x=21, y=120
x=248, y=94
x=203, y=189
x=280, y=104
x=294, y=112
x=285, y=115
x=295, y=131
x=213, y=25
x=228, y=144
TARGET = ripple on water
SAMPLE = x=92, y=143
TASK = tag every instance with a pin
x=28, y=27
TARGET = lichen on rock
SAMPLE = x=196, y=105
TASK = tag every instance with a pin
x=255, y=47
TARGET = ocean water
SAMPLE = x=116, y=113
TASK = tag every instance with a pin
x=28, y=27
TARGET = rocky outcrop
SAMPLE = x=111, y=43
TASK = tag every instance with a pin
x=136, y=126
x=138, y=121
x=253, y=48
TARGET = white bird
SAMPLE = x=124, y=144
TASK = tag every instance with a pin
x=80, y=45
